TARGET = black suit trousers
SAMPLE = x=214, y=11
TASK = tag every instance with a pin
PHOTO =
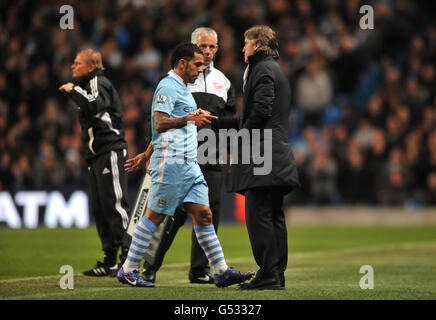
x=266, y=227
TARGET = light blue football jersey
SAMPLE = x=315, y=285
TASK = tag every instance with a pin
x=174, y=98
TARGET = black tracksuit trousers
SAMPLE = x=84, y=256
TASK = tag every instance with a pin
x=108, y=182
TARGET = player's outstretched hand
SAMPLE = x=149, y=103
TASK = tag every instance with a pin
x=201, y=119
x=136, y=163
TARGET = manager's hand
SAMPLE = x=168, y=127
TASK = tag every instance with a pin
x=201, y=111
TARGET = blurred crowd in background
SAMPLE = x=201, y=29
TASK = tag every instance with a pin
x=363, y=114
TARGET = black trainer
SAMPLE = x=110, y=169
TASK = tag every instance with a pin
x=149, y=275
x=102, y=270
x=259, y=283
x=202, y=278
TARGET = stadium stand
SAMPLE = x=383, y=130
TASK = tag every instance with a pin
x=363, y=119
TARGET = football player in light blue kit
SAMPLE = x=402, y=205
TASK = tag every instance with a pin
x=176, y=178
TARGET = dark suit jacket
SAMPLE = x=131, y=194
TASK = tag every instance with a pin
x=267, y=102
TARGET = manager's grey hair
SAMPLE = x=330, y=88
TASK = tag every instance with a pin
x=265, y=37
x=203, y=30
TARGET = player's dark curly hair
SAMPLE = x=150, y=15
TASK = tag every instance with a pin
x=184, y=50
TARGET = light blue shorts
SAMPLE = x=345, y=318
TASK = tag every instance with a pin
x=173, y=184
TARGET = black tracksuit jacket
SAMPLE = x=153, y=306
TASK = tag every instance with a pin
x=100, y=115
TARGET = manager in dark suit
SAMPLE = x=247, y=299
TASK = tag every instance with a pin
x=266, y=108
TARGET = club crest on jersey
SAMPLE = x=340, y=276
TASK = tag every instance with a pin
x=161, y=99
x=162, y=202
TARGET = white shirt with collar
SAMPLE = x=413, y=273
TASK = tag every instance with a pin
x=213, y=81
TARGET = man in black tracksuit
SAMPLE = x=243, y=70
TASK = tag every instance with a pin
x=213, y=92
x=100, y=116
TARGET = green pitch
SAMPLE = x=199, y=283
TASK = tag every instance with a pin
x=324, y=263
